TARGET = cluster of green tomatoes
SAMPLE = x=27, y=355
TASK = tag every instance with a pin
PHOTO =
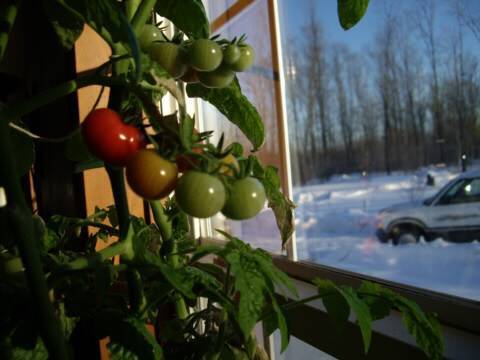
x=198, y=192
x=210, y=62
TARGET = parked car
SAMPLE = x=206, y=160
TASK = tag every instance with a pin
x=453, y=214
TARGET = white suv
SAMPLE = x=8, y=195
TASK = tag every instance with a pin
x=453, y=214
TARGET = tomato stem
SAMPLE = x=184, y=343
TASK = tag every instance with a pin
x=118, y=248
x=20, y=108
x=131, y=7
x=21, y=220
x=165, y=226
x=141, y=15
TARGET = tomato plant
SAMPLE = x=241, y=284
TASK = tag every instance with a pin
x=199, y=194
x=246, y=199
x=71, y=285
x=172, y=57
x=151, y=176
x=245, y=60
x=109, y=138
x=205, y=55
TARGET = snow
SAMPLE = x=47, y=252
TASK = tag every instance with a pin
x=336, y=223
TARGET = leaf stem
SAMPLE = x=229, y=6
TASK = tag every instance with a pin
x=22, y=224
x=165, y=227
x=141, y=15
x=22, y=107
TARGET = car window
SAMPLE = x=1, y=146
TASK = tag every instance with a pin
x=465, y=191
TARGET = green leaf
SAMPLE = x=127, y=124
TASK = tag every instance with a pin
x=282, y=325
x=380, y=307
x=23, y=148
x=187, y=124
x=132, y=334
x=340, y=312
x=281, y=206
x=66, y=22
x=364, y=319
x=187, y=15
x=251, y=285
x=424, y=328
x=270, y=271
x=351, y=11
x=236, y=107
x=105, y=17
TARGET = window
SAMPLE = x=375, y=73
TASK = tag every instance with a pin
x=377, y=118
x=368, y=128
x=260, y=85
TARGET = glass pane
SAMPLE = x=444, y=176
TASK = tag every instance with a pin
x=381, y=118
x=297, y=349
x=259, y=85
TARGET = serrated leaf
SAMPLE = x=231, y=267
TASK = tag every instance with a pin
x=188, y=15
x=132, y=334
x=66, y=22
x=339, y=311
x=364, y=319
x=281, y=206
x=251, y=285
x=351, y=11
x=282, y=326
x=424, y=328
x=379, y=307
x=104, y=16
x=236, y=107
x=270, y=271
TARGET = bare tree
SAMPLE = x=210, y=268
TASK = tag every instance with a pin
x=343, y=114
x=425, y=18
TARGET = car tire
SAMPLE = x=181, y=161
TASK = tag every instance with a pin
x=405, y=237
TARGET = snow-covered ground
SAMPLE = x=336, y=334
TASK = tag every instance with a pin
x=336, y=223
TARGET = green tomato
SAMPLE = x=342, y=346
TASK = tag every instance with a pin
x=218, y=78
x=200, y=195
x=246, y=59
x=231, y=54
x=171, y=57
x=205, y=55
x=150, y=34
x=247, y=198
x=11, y=268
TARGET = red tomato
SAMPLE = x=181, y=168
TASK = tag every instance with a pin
x=109, y=138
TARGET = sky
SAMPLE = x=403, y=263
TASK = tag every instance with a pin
x=293, y=15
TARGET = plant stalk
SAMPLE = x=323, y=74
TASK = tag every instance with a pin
x=20, y=108
x=22, y=224
x=131, y=7
x=141, y=15
x=165, y=227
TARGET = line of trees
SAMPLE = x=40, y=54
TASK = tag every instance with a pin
x=411, y=99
